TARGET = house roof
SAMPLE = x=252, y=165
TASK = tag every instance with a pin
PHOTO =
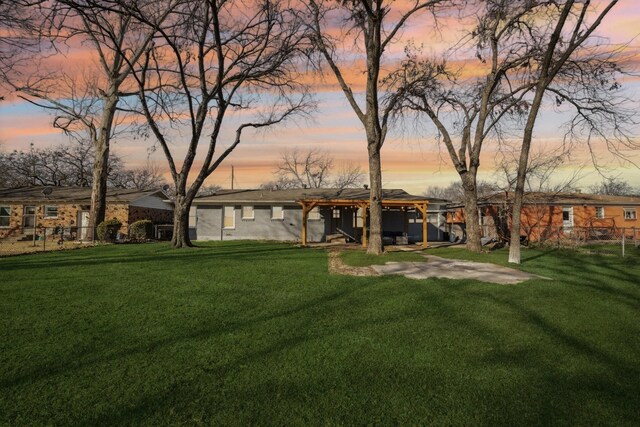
x=562, y=199
x=36, y=194
x=294, y=195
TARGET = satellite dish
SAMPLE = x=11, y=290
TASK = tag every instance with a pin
x=46, y=191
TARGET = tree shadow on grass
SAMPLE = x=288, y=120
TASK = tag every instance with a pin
x=46, y=371
x=201, y=254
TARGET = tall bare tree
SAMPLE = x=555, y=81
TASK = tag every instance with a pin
x=573, y=72
x=468, y=111
x=85, y=104
x=218, y=56
x=371, y=26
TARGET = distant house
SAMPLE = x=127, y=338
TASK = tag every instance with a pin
x=546, y=213
x=22, y=209
x=314, y=215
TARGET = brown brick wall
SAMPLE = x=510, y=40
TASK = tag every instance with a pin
x=547, y=219
x=67, y=217
x=119, y=211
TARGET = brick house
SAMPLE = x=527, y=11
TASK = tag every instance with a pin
x=544, y=214
x=22, y=209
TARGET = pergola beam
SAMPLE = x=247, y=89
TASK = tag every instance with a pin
x=309, y=204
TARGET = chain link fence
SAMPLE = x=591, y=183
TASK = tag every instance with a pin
x=616, y=241
x=44, y=239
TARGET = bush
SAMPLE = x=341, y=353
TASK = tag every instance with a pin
x=141, y=230
x=108, y=230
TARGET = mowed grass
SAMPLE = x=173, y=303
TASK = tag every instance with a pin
x=259, y=333
x=360, y=258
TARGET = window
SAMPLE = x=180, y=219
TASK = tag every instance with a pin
x=247, y=212
x=599, y=212
x=5, y=215
x=565, y=216
x=229, y=217
x=51, y=212
x=630, y=213
x=336, y=213
x=314, y=214
x=277, y=212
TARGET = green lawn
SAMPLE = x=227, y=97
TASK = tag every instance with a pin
x=247, y=333
x=360, y=258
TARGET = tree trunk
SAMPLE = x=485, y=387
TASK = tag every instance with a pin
x=514, y=243
x=99, y=185
x=523, y=162
x=471, y=218
x=375, y=245
x=101, y=143
x=180, y=238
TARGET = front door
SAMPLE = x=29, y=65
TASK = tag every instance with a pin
x=567, y=219
x=29, y=217
x=83, y=223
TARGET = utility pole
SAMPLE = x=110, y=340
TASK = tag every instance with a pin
x=232, y=177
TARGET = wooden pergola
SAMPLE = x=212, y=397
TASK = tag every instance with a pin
x=309, y=204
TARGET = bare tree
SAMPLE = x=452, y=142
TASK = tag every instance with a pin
x=64, y=165
x=544, y=184
x=309, y=169
x=141, y=178
x=575, y=73
x=85, y=104
x=348, y=175
x=455, y=191
x=208, y=190
x=18, y=22
x=614, y=186
x=468, y=111
x=313, y=168
x=210, y=61
x=543, y=171
x=371, y=25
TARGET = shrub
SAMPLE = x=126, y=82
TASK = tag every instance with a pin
x=108, y=230
x=141, y=230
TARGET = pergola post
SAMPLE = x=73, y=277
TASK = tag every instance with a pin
x=364, y=226
x=306, y=208
x=405, y=221
x=422, y=207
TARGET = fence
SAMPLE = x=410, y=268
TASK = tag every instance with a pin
x=40, y=239
x=44, y=239
x=598, y=240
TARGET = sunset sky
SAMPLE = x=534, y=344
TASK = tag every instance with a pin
x=410, y=160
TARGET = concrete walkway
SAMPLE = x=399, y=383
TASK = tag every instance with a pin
x=435, y=267
x=455, y=269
